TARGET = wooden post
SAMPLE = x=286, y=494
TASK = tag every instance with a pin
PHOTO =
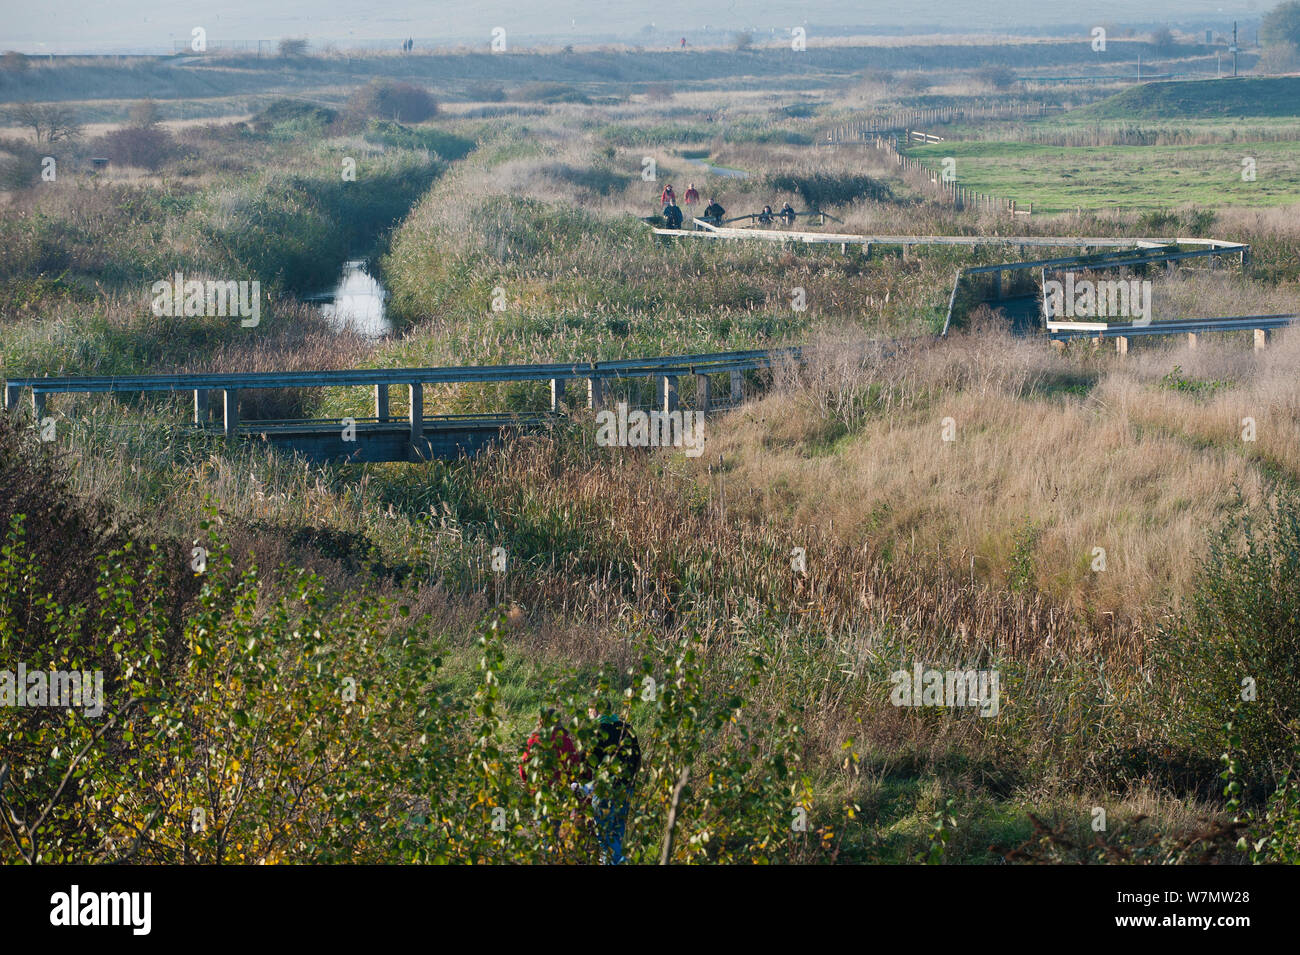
x=1121, y=345
x=11, y=396
x=415, y=413
x=557, y=394
x=702, y=394
x=38, y=405
x=1262, y=337
x=201, y=406
x=381, y=402
x=997, y=285
x=668, y=389
x=230, y=412
x=595, y=393
x=1191, y=340
x=737, y=387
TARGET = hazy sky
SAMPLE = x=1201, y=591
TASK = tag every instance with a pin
x=142, y=26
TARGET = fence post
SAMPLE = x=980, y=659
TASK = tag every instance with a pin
x=703, y=394
x=557, y=393
x=737, y=387
x=381, y=402
x=201, y=406
x=595, y=393
x=1262, y=337
x=230, y=412
x=668, y=389
x=415, y=413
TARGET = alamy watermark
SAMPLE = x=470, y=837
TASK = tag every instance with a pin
x=1085, y=298
x=946, y=688
x=655, y=429
x=178, y=297
x=66, y=689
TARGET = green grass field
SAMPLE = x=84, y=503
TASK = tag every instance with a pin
x=1061, y=179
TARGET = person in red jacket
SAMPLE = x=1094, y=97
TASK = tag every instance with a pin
x=558, y=754
x=669, y=197
x=691, y=196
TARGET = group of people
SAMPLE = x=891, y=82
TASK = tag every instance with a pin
x=787, y=213
x=672, y=213
x=603, y=777
x=713, y=212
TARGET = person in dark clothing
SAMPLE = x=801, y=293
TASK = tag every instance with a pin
x=788, y=214
x=613, y=763
x=765, y=216
x=673, y=215
x=714, y=212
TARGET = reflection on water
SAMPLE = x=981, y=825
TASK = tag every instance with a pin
x=358, y=302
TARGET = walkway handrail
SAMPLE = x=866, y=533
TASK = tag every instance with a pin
x=623, y=367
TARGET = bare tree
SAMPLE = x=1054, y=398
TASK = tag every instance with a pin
x=50, y=122
x=144, y=114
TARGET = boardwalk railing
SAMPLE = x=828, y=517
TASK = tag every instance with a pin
x=1121, y=332
x=594, y=374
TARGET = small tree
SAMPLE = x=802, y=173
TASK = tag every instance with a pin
x=744, y=40
x=1281, y=24
x=50, y=122
x=13, y=62
x=1163, y=40
x=1279, y=58
x=293, y=46
x=144, y=114
x=998, y=77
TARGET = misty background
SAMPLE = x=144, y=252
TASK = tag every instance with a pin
x=132, y=26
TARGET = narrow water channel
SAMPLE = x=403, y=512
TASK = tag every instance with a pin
x=357, y=303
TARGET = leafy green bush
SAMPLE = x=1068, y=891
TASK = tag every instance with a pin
x=1238, y=647
x=823, y=189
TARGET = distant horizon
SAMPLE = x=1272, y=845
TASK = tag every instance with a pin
x=99, y=27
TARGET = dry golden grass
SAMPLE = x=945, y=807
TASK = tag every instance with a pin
x=1143, y=471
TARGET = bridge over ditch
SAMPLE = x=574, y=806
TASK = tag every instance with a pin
x=415, y=436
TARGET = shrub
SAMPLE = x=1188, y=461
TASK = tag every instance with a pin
x=144, y=114
x=293, y=46
x=14, y=62
x=295, y=114
x=824, y=189
x=1238, y=645
x=20, y=164
x=142, y=147
x=400, y=102
x=998, y=77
